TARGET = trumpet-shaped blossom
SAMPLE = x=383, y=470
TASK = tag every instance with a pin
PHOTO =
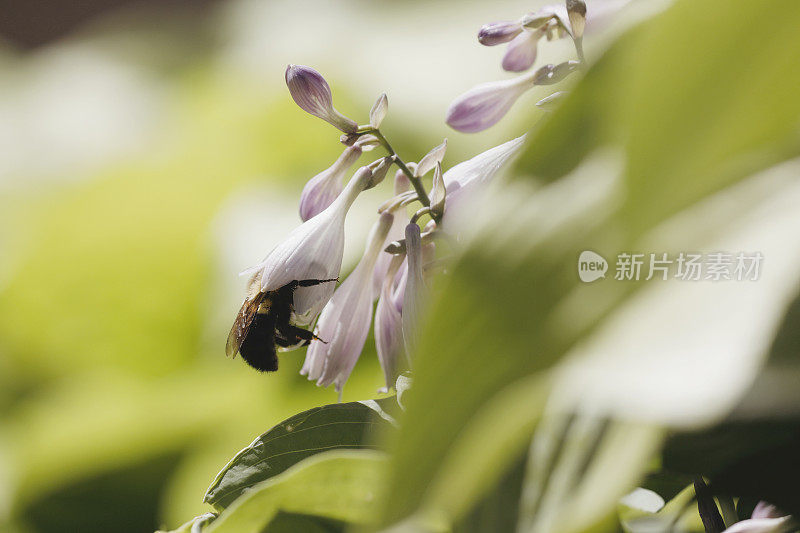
x=462, y=180
x=321, y=190
x=484, y=105
x=344, y=323
x=313, y=94
x=388, y=322
x=313, y=250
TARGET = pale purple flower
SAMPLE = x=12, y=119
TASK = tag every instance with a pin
x=388, y=322
x=344, y=323
x=766, y=518
x=325, y=187
x=463, y=179
x=313, y=94
x=414, y=287
x=496, y=33
x=397, y=231
x=484, y=105
x=521, y=52
x=313, y=250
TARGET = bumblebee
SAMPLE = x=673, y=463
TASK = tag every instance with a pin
x=264, y=323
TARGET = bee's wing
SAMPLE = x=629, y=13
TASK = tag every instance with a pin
x=242, y=324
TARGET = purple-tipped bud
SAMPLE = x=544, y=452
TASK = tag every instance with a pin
x=378, y=111
x=313, y=94
x=429, y=161
x=324, y=188
x=484, y=105
x=498, y=32
x=344, y=323
x=521, y=52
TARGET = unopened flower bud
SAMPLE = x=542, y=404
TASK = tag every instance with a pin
x=498, y=32
x=438, y=193
x=521, y=52
x=536, y=20
x=484, y=105
x=414, y=289
x=378, y=111
x=549, y=103
x=429, y=161
x=576, y=10
x=367, y=142
x=322, y=189
x=379, y=169
x=313, y=94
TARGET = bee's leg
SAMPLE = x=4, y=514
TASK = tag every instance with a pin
x=309, y=282
x=304, y=334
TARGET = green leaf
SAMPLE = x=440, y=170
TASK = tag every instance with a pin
x=293, y=522
x=339, y=485
x=691, y=108
x=346, y=425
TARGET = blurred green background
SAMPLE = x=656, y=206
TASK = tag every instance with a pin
x=149, y=154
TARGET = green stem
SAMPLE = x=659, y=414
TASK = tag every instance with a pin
x=415, y=181
x=579, y=49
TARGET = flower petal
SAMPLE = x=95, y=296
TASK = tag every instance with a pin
x=484, y=105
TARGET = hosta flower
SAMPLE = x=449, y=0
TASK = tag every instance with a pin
x=766, y=518
x=484, y=105
x=324, y=188
x=462, y=180
x=313, y=94
x=388, y=322
x=521, y=52
x=496, y=33
x=414, y=287
x=344, y=323
x=313, y=250
x=401, y=185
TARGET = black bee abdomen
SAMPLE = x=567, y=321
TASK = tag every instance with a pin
x=258, y=347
